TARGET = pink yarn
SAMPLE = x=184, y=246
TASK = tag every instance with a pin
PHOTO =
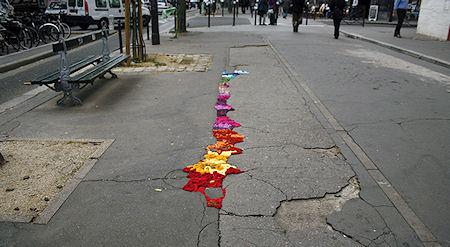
x=227, y=120
x=219, y=126
x=220, y=106
x=223, y=97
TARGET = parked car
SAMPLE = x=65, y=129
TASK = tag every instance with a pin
x=56, y=7
x=162, y=5
x=87, y=12
x=413, y=11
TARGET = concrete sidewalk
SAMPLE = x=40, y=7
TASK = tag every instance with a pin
x=437, y=52
x=297, y=188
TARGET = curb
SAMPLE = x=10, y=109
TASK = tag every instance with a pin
x=411, y=53
x=14, y=65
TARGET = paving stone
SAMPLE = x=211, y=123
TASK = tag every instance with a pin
x=362, y=222
x=251, y=231
x=247, y=196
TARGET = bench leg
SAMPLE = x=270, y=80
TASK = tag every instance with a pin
x=68, y=97
x=113, y=75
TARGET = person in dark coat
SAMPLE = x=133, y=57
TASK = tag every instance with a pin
x=285, y=5
x=244, y=5
x=297, y=13
x=263, y=7
x=273, y=12
x=252, y=7
x=337, y=10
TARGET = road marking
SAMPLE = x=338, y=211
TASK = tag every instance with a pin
x=422, y=231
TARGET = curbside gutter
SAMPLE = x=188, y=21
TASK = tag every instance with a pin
x=411, y=53
x=16, y=64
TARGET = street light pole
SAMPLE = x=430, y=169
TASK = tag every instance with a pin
x=221, y=3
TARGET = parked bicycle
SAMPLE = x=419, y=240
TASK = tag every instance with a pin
x=46, y=29
x=15, y=34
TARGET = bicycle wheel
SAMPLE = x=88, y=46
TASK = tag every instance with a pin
x=34, y=35
x=25, y=39
x=49, y=32
x=12, y=40
x=66, y=30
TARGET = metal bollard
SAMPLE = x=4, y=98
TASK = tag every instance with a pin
x=120, y=36
x=307, y=13
x=364, y=15
x=209, y=14
x=234, y=13
x=256, y=9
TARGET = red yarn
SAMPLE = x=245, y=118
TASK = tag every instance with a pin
x=214, y=202
x=206, y=180
x=222, y=146
x=227, y=135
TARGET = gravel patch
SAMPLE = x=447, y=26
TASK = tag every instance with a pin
x=36, y=171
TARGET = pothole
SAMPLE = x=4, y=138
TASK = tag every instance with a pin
x=331, y=152
x=164, y=62
x=309, y=214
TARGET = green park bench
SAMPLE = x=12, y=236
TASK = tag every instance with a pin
x=79, y=74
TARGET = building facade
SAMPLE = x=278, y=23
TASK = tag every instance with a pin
x=434, y=19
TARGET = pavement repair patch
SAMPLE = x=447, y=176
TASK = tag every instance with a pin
x=211, y=171
x=311, y=213
x=39, y=175
x=162, y=62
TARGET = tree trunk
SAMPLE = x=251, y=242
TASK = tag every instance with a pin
x=181, y=15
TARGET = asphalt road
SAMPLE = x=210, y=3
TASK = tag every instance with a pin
x=394, y=106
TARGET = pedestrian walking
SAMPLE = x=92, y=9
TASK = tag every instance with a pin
x=263, y=7
x=297, y=13
x=273, y=12
x=337, y=11
x=285, y=7
x=244, y=5
x=252, y=7
x=400, y=6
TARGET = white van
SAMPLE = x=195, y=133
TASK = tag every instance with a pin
x=87, y=12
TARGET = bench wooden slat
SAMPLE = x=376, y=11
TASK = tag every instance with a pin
x=54, y=76
x=99, y=69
